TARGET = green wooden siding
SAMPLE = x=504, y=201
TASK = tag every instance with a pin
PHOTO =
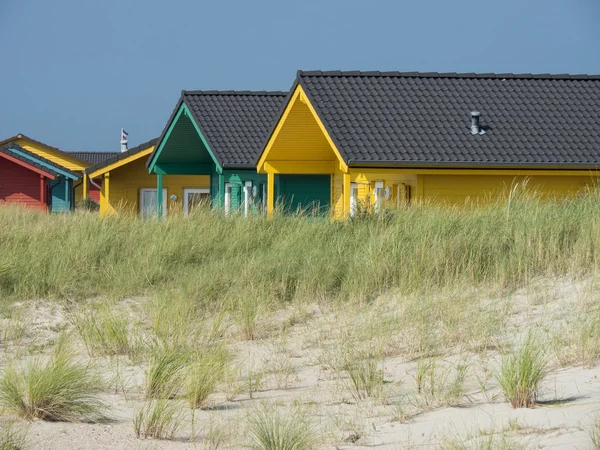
x=184, y=146
x=185, y=152
x=238, y=179
x=61, y=195
x=307, y=193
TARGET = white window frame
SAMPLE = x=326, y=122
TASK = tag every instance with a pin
x=247, y=197
x=164, y=203
x=379, y=196
x=227, y=194
x=186, y=191
x=353, y=198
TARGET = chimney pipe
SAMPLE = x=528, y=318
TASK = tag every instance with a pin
x=475, y=122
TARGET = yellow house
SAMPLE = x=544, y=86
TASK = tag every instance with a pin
x=389, y=138
x=128, y=187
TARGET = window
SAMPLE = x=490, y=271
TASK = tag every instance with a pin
x=149, y=203
x=194, y=197
x=379, y=198
x=403, y=195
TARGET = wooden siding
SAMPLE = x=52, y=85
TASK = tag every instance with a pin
x=300, y=138
x=238, y=178
x=53, y=155
x=398, y=182
x=57, y=157
x=20, y=185
x=126, y=181
x=299, y=145
x=184, y=145
x=94, y=192
x=478, y=189
x=61, y=193
x=461, y=188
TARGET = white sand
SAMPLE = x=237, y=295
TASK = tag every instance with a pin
x=570, y=397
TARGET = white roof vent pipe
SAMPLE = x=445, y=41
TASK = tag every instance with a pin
x=475, y=126
x=124, y=141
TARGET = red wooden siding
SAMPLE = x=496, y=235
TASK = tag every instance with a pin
x=94, y=191
x=21, y=185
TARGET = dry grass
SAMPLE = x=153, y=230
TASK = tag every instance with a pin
x=522, y=372
x=270, y=429
x=158, y=419
x=12, y=436
x=440, y=384
x=63, y=388
x=204, y=372
x=395, y=302
x=297, y=258
x=106, y=331
x=166, y=375
x=594, y=432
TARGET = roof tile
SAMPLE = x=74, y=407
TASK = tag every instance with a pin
x=235, y=123
x=411, y=117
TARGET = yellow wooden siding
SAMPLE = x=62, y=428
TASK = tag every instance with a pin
x=300, y=138
x=126, y=181
x=366, y=180
x=78, y=191
x=481, y=189
x=52, y=155
x=337, y=195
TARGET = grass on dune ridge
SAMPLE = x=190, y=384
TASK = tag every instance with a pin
x=212, y=257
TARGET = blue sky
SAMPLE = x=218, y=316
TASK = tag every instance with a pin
x=74, y=72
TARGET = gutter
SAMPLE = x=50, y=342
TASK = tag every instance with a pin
x=470, y=165
x=239, y=166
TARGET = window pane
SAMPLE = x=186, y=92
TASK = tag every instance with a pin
x=197, y=199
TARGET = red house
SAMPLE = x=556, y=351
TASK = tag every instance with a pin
x=25, y=180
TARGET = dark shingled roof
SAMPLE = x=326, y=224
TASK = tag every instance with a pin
x=117, y=156
x=93, y=157
x=424, y=118
x=35, y=160
x=234, y=123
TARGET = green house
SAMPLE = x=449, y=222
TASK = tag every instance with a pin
x=213, y=139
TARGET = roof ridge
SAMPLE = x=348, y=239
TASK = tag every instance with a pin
x=120, y=155
x=376, y=73
x=233, y=92
x=146, y=144
x=92, y=151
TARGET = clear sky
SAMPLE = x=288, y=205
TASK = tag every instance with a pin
x=75, y=71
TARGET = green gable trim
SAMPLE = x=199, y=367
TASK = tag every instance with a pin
x=45, y=164
x=184, y=169
x=183, y=110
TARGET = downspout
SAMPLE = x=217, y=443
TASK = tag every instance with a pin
x=94, y=183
